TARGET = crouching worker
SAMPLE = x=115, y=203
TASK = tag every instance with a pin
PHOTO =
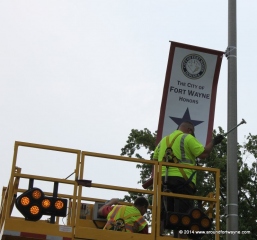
x=125, y=218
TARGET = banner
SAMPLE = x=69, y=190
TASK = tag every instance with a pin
x=190, y=88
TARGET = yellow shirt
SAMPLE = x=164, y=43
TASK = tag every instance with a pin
x=130, y=214
x=186, y=148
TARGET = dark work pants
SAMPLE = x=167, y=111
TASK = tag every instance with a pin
x=177, y=185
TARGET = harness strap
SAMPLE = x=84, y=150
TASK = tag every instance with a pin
x=168, y=143
x=122, y=212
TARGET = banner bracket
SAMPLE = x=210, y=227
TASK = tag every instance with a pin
x=229, y=50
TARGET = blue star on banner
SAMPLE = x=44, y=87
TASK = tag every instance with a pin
x=186, y=117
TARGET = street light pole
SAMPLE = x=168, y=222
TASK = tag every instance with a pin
x=232, y=170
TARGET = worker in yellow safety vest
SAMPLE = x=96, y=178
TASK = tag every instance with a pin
x=182, y=147
x=125, y=218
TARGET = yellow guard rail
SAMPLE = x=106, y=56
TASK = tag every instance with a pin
x=79, y=221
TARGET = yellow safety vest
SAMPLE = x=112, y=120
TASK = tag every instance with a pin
x=184, y=154
x=134, y=221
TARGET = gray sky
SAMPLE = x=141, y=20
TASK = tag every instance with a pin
x=82, y=74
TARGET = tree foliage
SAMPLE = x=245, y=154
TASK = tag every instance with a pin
x=139, y=140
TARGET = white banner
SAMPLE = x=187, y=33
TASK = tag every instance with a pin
x=189, y=92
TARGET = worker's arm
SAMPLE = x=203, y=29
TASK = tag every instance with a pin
x=107, y=207
x=208, y=148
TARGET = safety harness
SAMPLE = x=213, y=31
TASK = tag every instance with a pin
x=119, y=224
x=170, y=157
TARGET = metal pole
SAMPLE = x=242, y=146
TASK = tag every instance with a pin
x=232, y=181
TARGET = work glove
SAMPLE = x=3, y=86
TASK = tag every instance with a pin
x=217, y=139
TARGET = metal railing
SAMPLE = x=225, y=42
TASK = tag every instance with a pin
x=76, y=227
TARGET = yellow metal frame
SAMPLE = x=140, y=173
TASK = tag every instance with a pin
x=210, y=198
x=77, y=228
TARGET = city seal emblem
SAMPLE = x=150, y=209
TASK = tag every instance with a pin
x=193, y=66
